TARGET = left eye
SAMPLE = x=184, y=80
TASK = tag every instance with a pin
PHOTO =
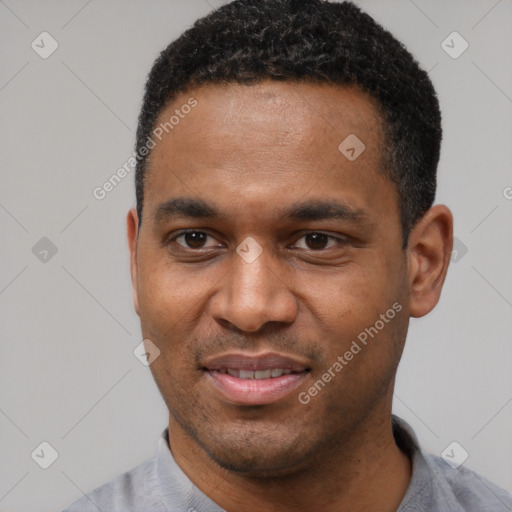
x=318, y=241
x=193, y=240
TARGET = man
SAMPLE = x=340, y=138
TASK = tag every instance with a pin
x=284, y=235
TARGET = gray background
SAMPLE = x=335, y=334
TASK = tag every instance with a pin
x=67, y=373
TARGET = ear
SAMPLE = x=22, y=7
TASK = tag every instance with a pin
x=429, y=252
x=132, y=230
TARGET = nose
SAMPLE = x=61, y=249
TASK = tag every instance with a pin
x=252, y=294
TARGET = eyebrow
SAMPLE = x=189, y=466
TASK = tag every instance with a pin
x=185, y=207
x=325, y=210
x=312, y=210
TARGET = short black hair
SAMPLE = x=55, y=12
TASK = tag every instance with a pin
x=248, y=41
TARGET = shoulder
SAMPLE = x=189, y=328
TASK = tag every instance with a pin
x=133, y=490
x=464, y=489
x=435, y=485
x=156, y=485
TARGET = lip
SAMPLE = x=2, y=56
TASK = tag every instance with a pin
x=255, y=391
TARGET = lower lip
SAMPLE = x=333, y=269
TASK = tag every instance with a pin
x=256, y=391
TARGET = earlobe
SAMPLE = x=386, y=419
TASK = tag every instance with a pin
x=132, y=227
x=429, y=252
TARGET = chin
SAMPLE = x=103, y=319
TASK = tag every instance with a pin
x=258, y=454
x=257, y=466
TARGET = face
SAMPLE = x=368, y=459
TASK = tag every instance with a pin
x=249, y=328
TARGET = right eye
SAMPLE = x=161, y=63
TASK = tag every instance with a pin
x=192, y=239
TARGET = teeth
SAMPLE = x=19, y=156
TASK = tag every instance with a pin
x=255, y=375
x=262, y=374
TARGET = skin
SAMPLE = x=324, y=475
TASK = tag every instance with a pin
x=252, y=151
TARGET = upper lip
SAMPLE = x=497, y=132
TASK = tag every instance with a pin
x=261, y=362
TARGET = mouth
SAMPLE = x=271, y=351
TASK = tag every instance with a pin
x=243, y=379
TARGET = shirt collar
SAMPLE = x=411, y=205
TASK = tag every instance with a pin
x=183, y=495
x=420, y=494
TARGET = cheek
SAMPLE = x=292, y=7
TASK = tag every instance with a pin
x=350, y=296
x=170, y=297
x=361, y=361
x=360, y=306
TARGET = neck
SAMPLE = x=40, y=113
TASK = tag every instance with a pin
x=367, y=471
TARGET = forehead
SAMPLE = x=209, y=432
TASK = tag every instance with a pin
x=311, y=115
x=271, y=140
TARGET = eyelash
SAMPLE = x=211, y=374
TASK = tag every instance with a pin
x=183, y=233
x=340, y=240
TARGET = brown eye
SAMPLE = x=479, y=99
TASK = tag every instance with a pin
x=193, y=240
x=316, y=240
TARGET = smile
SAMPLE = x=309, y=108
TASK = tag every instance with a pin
x=257, y=375
x=243, y=379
